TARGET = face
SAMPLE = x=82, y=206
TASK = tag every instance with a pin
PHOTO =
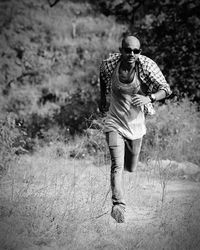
x=130, y=50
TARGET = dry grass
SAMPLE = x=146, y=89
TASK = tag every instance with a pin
x=51, y=200
x=47, y=197
x=54, y=201
x=173, y=133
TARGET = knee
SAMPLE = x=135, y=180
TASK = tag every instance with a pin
x=116, y=168
x=131, y=167
x=130, y=170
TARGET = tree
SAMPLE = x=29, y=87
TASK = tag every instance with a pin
x=170, y=34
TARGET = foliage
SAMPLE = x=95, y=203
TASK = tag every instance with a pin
x=77, y=110
x=170, y=34
x=50, y=64
x=124, y=10
x=175, y=135
x=174, y=35
x=12, y=141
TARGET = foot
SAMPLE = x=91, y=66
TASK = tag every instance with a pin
x=118, y=213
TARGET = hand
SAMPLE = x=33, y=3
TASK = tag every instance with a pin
x=140, y=100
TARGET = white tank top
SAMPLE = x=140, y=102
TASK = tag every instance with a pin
x=122, y=116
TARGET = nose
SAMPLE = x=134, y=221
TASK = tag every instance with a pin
x=132, y=52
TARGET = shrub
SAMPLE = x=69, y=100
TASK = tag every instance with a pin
x=77, y=110
x=173, y=133
x=11, y=141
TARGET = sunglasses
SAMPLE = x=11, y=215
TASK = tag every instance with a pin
x=129, y=50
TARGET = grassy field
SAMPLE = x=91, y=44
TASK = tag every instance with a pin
x=51, y=201
x=59, y=196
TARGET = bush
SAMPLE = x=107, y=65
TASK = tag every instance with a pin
x=173, y=133
x=76, y=112
x=11, y=141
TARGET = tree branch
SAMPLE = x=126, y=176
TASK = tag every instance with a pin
x=52, y=2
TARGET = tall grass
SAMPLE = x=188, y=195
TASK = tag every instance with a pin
x=61, y=194
x=173, y=133
x=10, y=142
x=51, y=200
x=47, y=197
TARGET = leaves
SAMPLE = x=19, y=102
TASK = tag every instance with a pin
x=170, y=34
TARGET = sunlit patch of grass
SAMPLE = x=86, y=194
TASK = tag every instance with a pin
x=46, y=197
x=51, y=198
x=173, y=133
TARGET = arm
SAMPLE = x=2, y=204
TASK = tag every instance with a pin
x=155, y=82
x=103, y=101
x=139, y=100
x=158, y=81
x=152, y=76
x=106, y=69
x=161, y=94
x=103, y=105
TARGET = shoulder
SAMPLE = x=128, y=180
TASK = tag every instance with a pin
x=112, y=57
x=110, y=63
x=148, y=65
x=144, y=60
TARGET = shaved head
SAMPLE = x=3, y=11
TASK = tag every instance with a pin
x=130, y=40
x=130, y=50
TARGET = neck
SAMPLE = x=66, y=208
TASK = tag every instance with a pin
x=127, y=66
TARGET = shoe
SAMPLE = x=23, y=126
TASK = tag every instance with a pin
x=118, y=213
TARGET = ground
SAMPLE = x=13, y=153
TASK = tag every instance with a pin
x=50, y=203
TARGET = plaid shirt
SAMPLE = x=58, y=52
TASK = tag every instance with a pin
x=149, y=74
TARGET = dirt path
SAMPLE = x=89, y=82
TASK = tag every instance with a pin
x=173, y=223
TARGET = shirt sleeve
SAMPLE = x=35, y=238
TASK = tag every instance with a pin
x=157, y=78
x=102, y=77
x=106, y=68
